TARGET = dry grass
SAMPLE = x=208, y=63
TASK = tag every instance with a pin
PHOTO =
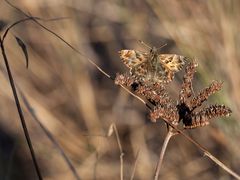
x=72, y=99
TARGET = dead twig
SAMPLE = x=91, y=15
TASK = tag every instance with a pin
x=162, y=153
x=19, y=108
x=49, y=135
x=135, y=166
x=120, y=149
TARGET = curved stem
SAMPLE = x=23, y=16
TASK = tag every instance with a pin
x=164, y=147
x=20, y=112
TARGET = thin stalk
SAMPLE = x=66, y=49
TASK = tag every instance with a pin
x=20, y=113
x=135, y=166
x=120, y=149
x=49, y=135
x=162, y=153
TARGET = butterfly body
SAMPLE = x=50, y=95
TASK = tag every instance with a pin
x=152, y=66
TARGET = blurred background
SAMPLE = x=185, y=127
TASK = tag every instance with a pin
x=77, y=103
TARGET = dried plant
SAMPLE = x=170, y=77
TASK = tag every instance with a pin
x=185, y=110
x=186, y=113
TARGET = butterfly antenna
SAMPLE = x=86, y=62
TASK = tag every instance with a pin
x=162, y=46
x=143, y=43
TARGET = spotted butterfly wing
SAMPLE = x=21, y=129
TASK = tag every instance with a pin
x=151, y=67
x=172, y=62
x=132, y=58
x=136, y=61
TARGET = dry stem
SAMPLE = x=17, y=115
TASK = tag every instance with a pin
x=120, y=149
x=135, y=165
x=19, y=108
x=163, y=150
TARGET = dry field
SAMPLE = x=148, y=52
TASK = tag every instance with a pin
x=77, y=104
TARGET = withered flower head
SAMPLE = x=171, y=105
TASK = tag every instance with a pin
x=185, y=109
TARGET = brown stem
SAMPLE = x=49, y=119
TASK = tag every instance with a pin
x=135, y=165
x=207, y=153
x=163, y=150
x=48, y=134
x=20, y=113
x=120, y=149
x=223, y=166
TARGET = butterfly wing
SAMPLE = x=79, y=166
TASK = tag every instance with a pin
x=132, y=58
x=142, y=67
x=172, y=62
x=161, y=75
x=166, y=66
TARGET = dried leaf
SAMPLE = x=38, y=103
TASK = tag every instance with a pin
x=24, y=49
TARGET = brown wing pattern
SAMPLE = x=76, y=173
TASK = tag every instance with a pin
x=132, y=58
x=146, y=68
x=172, y=62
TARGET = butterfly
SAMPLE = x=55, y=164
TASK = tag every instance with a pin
x=152, y=66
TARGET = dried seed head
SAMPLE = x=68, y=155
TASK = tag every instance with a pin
x=186, y=90
x=202, y=117
x=166, y=109
x=155, y=93
x=216, y=111
x=204, y=94
x=195, y=120
x=168, y=113
x=124, y=79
